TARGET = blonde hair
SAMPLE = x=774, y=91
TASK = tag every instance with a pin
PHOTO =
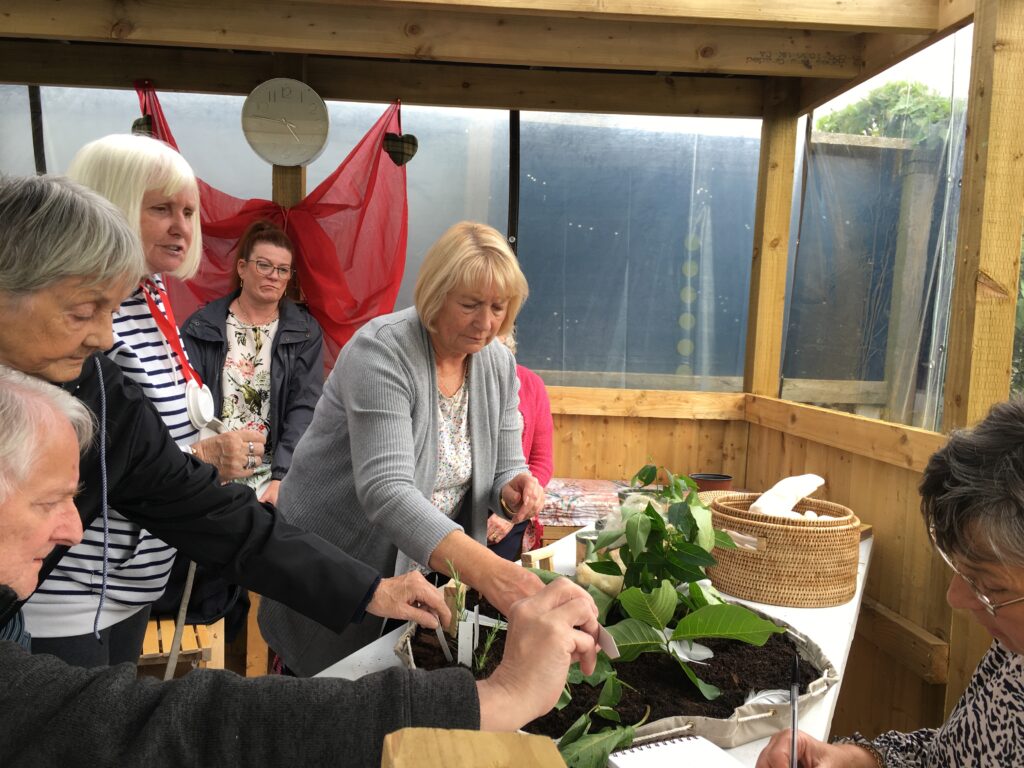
x=123, y=167
x=474, y=256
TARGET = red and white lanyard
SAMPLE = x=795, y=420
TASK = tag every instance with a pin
x=198, y=398
x=168, y=327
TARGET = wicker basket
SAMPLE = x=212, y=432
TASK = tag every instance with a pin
x=796, y=563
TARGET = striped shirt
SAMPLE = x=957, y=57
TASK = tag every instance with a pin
x=138, y=563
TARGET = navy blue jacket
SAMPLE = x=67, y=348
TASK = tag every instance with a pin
x=296, y=369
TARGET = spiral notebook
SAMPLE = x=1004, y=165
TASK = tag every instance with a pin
x=684, y=751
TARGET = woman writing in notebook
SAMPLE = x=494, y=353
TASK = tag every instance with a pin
x=972, y=500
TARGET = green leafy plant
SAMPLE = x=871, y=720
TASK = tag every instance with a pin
x=581, y=747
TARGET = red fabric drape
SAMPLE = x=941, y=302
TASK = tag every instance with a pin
x=350, y=235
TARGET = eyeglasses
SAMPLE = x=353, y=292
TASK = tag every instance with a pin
x=266, y=269
x=981, y=597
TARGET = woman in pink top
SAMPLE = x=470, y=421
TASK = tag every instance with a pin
x=503, y=537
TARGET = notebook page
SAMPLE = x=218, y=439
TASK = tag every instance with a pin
x=684, y=751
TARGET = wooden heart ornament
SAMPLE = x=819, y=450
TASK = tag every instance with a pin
x=400, y=147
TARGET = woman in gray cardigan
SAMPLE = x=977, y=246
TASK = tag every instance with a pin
x=416, y=438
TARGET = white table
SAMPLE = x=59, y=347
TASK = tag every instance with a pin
x=831, y=628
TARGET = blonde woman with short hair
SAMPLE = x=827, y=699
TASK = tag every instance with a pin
x=416, y=438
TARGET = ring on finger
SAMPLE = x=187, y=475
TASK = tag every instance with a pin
x=250, y=448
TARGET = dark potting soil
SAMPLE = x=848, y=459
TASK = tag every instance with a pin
x=737, y=669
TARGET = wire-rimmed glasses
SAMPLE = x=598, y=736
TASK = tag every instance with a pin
x=982, y=598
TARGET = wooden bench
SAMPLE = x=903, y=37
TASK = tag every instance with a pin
x=201, y=645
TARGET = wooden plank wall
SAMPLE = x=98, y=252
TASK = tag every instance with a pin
x=609, y=434
x=874, y=469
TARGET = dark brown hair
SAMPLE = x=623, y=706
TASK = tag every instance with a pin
x=256, y=233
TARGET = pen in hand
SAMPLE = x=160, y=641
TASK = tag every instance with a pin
x=794, y=695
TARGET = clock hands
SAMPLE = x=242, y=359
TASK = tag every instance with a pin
x=289, y=126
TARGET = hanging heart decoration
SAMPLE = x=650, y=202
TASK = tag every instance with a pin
x=400, y=147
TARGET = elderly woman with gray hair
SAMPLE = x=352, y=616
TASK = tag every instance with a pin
x=416, y=438
x=972, y=500
x=67, y=260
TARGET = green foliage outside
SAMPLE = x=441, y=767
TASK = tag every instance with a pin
x=898, y=110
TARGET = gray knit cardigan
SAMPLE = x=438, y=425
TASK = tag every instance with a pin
x=363, y=473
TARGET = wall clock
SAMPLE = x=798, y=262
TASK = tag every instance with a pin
x=285, y=122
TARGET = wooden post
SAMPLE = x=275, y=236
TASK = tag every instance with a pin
x=919, y=172
x=288, y=184
x=763, y=366
x=988, y=257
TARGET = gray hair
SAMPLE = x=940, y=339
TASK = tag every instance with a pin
x=972, y=493
x=52, y=228
x=28, y=408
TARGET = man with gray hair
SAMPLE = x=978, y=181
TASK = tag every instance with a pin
x=42, y=431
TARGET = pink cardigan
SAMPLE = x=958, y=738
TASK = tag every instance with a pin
x=538, y=428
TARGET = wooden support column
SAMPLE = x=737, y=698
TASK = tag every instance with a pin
x=988, y=256
x=762, y=369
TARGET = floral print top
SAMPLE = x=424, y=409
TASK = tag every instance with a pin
x=246, y=384
x=454, y=457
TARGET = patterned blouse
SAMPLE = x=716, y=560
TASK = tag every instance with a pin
x=454, y=454
x=246, y=384
x=985, y=729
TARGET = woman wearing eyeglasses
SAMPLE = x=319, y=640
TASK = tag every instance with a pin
x=261, y=354
x=972, y=499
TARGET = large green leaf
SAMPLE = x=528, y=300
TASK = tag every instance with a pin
x=731, y=621
x=602, y=600
x=681, y=519
x=575, y=731
x=634, y=637
x=692, y=554
x=638, y=528
x=709, y=691
x=611, y=692
x=682, y=571
x=705, y=530
x=609, y=538
x=654, y=608
x=593, y=749
x=564, y=698
x=644, y=476
x=607, y=567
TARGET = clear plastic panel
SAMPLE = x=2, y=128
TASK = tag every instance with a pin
x=872, y=272
x=636, y=235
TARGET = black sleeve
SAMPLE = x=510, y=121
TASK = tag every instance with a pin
x=222, y=527
x=305, y=383
x=54, y=714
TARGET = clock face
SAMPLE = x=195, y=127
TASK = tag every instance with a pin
x=285, y=122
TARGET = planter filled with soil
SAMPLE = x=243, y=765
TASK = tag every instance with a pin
x=677, y=706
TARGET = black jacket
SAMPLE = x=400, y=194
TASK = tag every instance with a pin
x=296, y=369
x=223, y=527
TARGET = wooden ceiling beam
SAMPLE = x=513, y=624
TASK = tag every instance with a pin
x=402, y=33
x=110, y=65
x=882, y=51
x=920, y=16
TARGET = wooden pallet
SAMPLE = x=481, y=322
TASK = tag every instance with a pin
x=201, y=645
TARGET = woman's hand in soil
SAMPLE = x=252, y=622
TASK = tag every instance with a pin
x=523, y=497
x=813, y=753
x=497, y=528
x=410, y=596
x=546, y=633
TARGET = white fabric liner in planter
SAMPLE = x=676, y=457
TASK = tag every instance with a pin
x=747, y=722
